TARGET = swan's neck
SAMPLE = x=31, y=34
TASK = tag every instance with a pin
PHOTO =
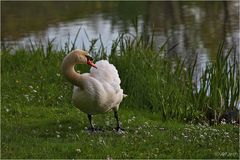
x=70, y=73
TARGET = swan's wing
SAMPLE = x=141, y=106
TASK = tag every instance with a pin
x=106, y=73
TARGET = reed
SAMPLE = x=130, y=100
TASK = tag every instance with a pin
x=166, y=86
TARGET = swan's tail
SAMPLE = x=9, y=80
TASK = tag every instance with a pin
x=106, y=72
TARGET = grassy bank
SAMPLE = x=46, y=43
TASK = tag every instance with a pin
x=39, y=121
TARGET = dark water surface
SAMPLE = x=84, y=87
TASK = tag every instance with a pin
x=196, y=26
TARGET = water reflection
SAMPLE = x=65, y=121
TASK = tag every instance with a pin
x=194, y=26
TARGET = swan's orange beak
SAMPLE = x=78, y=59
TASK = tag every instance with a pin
x=90, y=62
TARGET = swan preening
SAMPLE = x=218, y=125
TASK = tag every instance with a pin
x=96, y=92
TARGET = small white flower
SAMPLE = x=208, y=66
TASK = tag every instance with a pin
x=227, y=136
x=108, y=157
x=146, y=123
x=233, y=121
x=214, y=130
x=107, y=123
x=58, y=136
x=27, y=97
x=7, y=110
x=58, y=75
x=101, y=140
x=223, y=121
x=78, y=150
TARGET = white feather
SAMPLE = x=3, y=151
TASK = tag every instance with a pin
x=102, y=91
x=106, y=72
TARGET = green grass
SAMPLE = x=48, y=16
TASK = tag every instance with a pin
x=164, y=115
x=59, y=132
x=168, y=86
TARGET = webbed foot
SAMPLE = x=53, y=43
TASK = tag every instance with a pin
x=92, y=129
x=119, y=129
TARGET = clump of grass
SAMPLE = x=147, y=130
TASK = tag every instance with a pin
x=219, y=87
x=158, y=84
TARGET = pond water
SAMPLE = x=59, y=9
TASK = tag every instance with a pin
x=197, y=27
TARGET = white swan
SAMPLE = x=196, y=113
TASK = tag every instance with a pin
x=96, y=92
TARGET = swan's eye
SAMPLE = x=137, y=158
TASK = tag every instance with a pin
x=89, y=57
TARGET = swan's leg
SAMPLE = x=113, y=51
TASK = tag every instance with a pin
x=90, y=121
x=118, y=128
